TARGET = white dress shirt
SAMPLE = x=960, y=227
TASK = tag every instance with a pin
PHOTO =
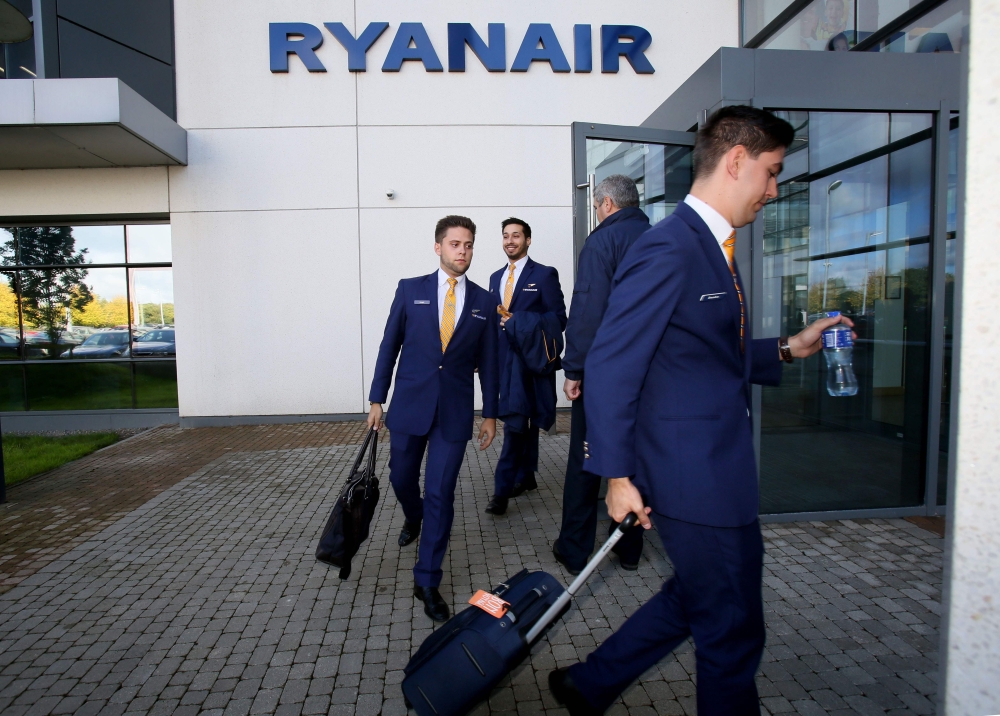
x=518, y=268
x=443, y=294
x=719, y=227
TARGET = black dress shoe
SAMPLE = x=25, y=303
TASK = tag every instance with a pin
x=408, y=534
x=497, y=506
x=628, y=566
x=434, y=605
x=526, y=484
x=565, y=691
x=561, y=559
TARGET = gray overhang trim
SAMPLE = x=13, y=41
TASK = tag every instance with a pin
x=63, y=123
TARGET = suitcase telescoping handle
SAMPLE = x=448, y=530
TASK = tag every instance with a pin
x=552, y=612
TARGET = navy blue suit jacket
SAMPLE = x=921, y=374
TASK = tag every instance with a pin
x=430, y=382
x=668, y=390
x=595, y=271
x=537, y=290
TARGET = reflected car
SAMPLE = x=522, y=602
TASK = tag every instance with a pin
x=158, y=342
x=9, y=346
x=39, y=343
x=104, y=344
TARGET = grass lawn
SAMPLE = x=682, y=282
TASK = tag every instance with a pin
x=27, y=455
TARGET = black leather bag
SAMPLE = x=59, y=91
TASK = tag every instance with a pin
x=351, y=519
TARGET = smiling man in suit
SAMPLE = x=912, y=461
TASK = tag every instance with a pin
x=668, y=410
x=521, y=285
x=443, y=329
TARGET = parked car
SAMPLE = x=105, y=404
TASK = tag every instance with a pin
x=158, y=342
x=38, y=343
x=9, y=346
x=103, y=344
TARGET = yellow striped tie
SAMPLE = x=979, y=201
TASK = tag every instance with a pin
x=730, y=247
x=448, y=315
x=508, y=292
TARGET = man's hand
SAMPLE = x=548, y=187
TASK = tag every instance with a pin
x=504, y=319
x=809, y=340
x=572, y=389
x=487, y=432
x=624, y=498
x=375, y=416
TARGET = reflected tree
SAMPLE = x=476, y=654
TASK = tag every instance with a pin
x=48, y=296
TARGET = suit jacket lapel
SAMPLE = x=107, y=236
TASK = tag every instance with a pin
x=430, y=292
x=717, y=260
x=466, y=316
x=526, y=272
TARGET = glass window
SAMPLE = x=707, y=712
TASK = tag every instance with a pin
x=661, y=172
x=835, y=137
x=149, y=243
x=152, y=291
x=156, y=384
x=856, y=241
x=758, y=13
x=61, y=301
x=61, y=308
x=79, y=386
x=943, y=29
x=821, y=25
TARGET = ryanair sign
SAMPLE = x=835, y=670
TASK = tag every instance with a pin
x=412, y=44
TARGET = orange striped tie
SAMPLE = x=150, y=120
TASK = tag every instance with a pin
x=729, y=245
x=448, y=315
x=508, y=292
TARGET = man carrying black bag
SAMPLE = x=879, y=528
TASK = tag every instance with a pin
x=443, y=328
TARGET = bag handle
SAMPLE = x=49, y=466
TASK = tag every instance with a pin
x=364, y=448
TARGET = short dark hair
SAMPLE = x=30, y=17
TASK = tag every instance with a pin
x=738, y=125
x=514, y=220
x=451, y=221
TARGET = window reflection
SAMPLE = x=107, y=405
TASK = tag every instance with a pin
x=855, y=240
x=152, y=291
x=149, y=243
x=758, y=13
x=821, y=25
x=662, y=173
x=943, y=29
x=68, y=299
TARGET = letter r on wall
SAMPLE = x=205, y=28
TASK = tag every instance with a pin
x=612, y=48
x=280, y=34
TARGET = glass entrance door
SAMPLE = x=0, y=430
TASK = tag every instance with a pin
x=850, y=232
x=658, y=161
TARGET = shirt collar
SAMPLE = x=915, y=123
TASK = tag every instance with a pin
x=443, y=279
x=519, y=263
x=719, y=227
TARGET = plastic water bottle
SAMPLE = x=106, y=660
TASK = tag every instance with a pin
x=837, y=347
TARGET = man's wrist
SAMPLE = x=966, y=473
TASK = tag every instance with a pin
x=785, y=350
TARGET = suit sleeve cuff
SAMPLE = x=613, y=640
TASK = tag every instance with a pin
x=573, y=374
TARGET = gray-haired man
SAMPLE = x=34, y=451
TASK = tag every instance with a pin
x=621, y=223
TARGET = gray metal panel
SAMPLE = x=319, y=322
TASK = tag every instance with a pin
x=878, y=512
x=799, y=79
x=214, y=421
x=146, y=26
x=35, y=421
x=727, y=77
x=65, y=123
x=86, y=54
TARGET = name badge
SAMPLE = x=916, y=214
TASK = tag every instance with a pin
x=481, y=318
x=712, y=296
x=422, y=303
x=529, y=289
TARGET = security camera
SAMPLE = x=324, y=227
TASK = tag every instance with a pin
x=391, y=194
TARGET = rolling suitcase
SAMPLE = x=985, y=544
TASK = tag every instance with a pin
x=462, y=661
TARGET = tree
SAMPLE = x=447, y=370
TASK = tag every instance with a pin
x=46, y=294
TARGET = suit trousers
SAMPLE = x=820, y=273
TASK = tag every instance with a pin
x=714, y=596
x=580, y=495
x=518, y=459
x=437, y=507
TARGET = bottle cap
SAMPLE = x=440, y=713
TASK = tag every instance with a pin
x=832, y=314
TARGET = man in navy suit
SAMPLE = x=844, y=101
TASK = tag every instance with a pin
x=675, y=348
x=616, y=199
x=521, y=285
x=443, y=328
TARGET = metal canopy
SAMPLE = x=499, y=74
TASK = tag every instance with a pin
x=64, y=123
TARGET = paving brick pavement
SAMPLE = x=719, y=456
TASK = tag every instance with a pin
x=205, y=598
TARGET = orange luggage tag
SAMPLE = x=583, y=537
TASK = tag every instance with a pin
x=490, y=603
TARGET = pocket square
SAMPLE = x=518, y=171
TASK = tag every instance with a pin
x=712, y=296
